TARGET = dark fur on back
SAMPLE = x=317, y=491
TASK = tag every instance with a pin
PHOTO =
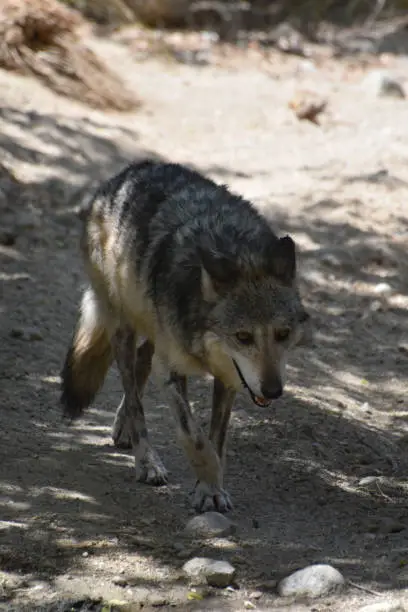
x=184, y=221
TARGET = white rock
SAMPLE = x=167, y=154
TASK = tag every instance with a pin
x=312, y=581
x=215, y=573
x=210, y=525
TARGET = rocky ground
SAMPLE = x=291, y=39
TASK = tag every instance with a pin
x=319, y=478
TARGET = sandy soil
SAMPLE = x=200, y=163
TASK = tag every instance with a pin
x=73, y=518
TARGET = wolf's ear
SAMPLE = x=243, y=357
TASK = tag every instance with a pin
x=283, y=260
x=218, y=274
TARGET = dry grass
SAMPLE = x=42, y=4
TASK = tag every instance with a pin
x=41, y=38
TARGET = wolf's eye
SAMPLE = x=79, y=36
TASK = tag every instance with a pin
x=282, y=334
x=244, y=337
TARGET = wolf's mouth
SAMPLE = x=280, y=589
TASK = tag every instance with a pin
x=259, y=401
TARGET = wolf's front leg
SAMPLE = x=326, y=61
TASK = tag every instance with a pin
x=202, y=455
x=129, y=428
x=223, y=399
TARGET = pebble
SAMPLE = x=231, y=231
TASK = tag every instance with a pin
x=312, y=581
x=210, y=525
x=215, y=573
x=383, y=84
x=384, y=606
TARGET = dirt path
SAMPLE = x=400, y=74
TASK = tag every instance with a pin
x=72, y=516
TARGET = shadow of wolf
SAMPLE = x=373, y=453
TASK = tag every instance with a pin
x=186, y=278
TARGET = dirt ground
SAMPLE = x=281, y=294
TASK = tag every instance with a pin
x=73, y=519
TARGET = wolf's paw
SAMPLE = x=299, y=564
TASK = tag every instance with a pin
x=121, y=435
x=150, y=469
x=208, y=497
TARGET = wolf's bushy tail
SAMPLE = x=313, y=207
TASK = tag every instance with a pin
x=88, y=358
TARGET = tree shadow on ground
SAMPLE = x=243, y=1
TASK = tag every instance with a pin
x=296, y=472
x=61, y=153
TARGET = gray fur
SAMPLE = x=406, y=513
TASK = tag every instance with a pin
x=182, y=268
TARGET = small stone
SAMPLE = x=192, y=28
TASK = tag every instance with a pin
x=255, y=595
x=120, y=581
x=85, y=554
x=215, y=573
x=384, y=606
x=312, y=581
x=382, y=84
x=210, y=525
x=248, y=605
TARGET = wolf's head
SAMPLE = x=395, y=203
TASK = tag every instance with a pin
x=256, y=314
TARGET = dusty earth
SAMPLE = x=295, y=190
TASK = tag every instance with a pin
x=73, y=519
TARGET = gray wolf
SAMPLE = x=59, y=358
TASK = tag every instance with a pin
x=188, y=278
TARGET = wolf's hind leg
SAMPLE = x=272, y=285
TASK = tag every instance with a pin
x=121, y=430
x=130, y=426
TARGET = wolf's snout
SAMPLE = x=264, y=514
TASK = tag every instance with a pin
x=272, y=390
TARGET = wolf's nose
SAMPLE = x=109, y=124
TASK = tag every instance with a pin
x=272, y=391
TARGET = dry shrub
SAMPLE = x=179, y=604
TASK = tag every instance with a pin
x=41, y=38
